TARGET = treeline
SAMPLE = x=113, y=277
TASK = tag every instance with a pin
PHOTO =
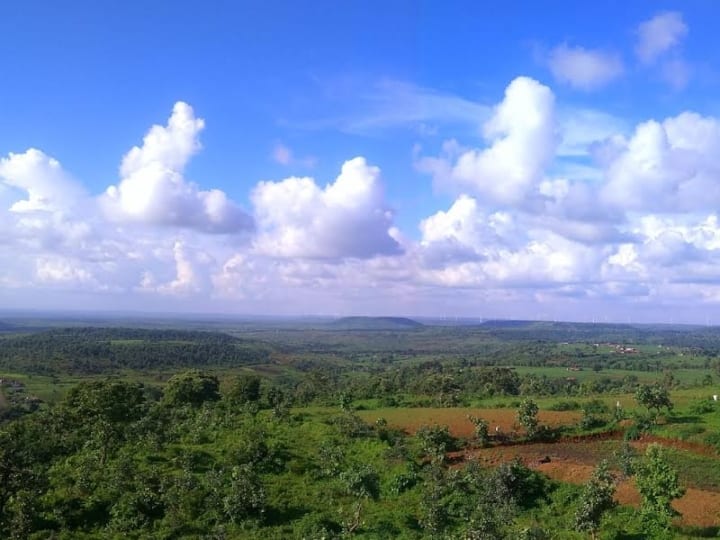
x=98, y=350
x=441, y=384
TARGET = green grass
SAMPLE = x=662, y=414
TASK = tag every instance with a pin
x=682, y=375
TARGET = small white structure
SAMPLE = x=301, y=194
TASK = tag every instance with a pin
x=714, y=397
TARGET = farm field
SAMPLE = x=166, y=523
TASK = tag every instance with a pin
x=411, y=419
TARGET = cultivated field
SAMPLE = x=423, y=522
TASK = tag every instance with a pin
x=410, y=419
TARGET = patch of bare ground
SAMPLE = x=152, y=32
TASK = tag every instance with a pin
x=573, y=462
x=699, y=507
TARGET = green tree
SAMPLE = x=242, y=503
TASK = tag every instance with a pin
x=527, y=416
x=360, y=482
x=653, y=397
x=481, y=430
x=435, y=442
x=596, y=500
x=102, y=412
x=658, y=484
x=191, y=388
x=245, y=389
x=625, y=456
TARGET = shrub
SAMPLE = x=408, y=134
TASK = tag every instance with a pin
x=702, y=406
x=565, y=405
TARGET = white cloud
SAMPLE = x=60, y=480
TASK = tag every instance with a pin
x=585, y=69
x=348, y=218
x=153, y=189
x=658, y=35
x=186, y=279
x=47, y=186
x=669, y=166
x=607, y=214
x=522, y=136
x=61, y=270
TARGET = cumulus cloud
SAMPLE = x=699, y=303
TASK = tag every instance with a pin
x=46, y=185
x=348, y=218
x=466, y=246
x=585, y=69
x=522, y=138
x=186, y=280
x=658, y=35
x=563, y=206
x=669, y=166
x=153, y=189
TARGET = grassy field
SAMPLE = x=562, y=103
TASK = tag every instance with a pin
x=682, y=375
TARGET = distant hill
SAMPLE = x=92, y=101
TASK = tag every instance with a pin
x=6, y=327
x=375, y=323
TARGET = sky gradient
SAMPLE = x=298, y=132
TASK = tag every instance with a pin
x=539, y=160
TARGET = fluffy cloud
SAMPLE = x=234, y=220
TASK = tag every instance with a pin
x=153, y=189
x=187, y=280
x=522, y=137
x=669, y=166
x=582, y=68
x=47, y=186
x=467, y=247
x=348, y=218
x=560, y=207
x=658, y=35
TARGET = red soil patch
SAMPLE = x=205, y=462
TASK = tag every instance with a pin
x=411, y=419
x=574, y=463
x=698, y=507
x=695, y=448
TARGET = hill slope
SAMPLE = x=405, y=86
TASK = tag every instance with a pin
x=375, y=323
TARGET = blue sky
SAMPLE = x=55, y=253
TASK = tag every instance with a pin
x=514, y=159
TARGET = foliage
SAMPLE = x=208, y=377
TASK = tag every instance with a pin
x=658, y=484
x=625, y=456
x=653, y=397
x=191, y=388
x=245, y=389
x=596, y=500
x=435, y=442
x=527, y=416
x=482, y=436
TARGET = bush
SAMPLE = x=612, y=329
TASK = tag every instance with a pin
x=702, y=406
x=595, y=406
x=565, y=405
x=713, y=439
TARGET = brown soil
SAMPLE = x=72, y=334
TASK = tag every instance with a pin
x=574, y=462
x=698, y=507
x=695, y=448
x=500, y=420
